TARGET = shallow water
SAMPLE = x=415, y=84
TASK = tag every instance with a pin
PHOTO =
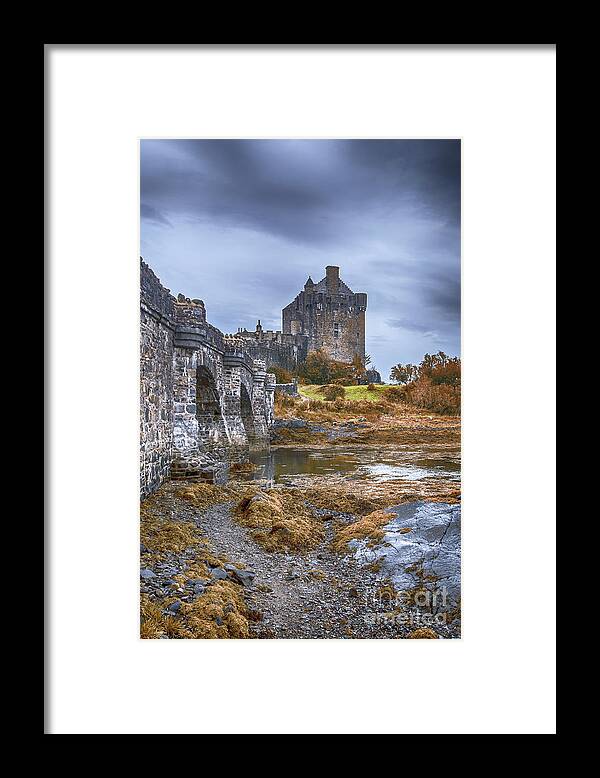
x=373, y=464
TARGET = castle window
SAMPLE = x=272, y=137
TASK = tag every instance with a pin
x=336, y=330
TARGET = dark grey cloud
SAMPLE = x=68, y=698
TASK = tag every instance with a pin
x=150, y=214
x=242, y=223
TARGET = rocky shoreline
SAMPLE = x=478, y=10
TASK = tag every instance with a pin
x=317, y=594
x=215, y=563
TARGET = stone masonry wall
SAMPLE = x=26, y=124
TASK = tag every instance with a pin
x=203, y=396
x=156, y=382
x=275, y=348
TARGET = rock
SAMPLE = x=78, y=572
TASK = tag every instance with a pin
x=244, y=577
x=259, y=497
x=144, y=549
x=218, y=621
x=230, y=567
x=174, y=606
x=290, y=423
x=218, y=574
x=146, y=573
x=199, y=589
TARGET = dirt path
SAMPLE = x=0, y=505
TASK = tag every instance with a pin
x=312, y=595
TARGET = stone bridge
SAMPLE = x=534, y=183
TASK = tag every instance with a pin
x=203, y=398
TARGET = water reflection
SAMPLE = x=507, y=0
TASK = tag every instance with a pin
x=276, y=464
x=279, y=464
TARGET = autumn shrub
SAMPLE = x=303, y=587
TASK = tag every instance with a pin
x=333, y=392
x=395, y=394
x=319, y=368
x=439, y=398
x=433, y=385
x=282, y=376
x=371, y=388
x=284, y=400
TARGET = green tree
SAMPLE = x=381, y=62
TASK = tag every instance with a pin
x=319, y=368
x=359, y=368
x=404, y=374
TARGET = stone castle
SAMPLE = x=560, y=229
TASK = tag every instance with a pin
x=204, y=394
x=330, y=315
x=327, y=315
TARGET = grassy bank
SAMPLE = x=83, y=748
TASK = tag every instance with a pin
x=353, y=393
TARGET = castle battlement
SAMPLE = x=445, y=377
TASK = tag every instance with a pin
x=274, y=347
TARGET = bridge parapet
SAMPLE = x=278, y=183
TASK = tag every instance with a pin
x=238, y=358
x=202, y=394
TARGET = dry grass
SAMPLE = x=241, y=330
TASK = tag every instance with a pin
x=219, y=613
x=202, y=495
x=410, y=430
x=242, y=467
x=317, y=409
x=338, y=499
x=162, y=534
x=280, y=520
x=360, y=498
x=423, y=632
x=369, y=526
x=283, y=401
x=288, y=435
x=387, y=421
x=387, y=592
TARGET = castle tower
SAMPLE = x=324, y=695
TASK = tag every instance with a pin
x=331, y=315
x=332, y=279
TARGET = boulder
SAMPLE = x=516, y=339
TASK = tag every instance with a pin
x=243, y=577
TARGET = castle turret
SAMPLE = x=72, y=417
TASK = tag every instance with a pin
x=333, y=279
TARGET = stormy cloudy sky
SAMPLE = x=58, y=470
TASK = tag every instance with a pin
x=241, y=224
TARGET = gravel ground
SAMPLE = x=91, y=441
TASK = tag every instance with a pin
x=319, y=594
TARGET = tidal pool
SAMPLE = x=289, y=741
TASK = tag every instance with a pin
x=280, y=464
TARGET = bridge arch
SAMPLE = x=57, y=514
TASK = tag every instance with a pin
x=208, y=405
x=247, y=415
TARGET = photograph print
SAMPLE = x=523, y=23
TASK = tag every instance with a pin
x=300, y=389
